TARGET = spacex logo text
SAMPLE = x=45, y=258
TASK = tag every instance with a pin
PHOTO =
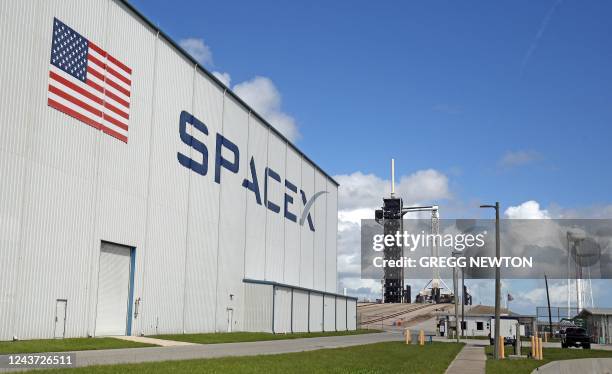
x=252, y=182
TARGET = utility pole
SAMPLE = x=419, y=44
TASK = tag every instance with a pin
x=456, y=291
x=497, y=278
x=463, y=298
x=548, y=300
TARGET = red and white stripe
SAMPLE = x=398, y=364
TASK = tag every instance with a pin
x=103, y=101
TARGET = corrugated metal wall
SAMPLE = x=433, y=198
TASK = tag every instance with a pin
x=351, y=313
x=282, y=310
x=300, y=311
x=258, y=306
x=316, y=312
x=295, y=309
x=329, y=313
x=66, y=187
x=341, y=314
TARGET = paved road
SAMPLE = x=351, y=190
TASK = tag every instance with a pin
x=185, y=352
x=585, y=365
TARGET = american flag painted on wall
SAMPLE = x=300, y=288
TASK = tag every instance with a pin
x=88, y=83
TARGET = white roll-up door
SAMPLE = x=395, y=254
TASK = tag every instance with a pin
x=113, y=290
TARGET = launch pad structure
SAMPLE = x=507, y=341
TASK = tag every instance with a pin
x=390, y=216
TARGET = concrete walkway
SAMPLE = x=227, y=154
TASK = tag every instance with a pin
x=199, y=351
x=471, y=360
x=160, y=342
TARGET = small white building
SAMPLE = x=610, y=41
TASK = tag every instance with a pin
x=598, y=323
x=476, y=321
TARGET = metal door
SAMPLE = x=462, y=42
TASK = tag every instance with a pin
x=230, y=319
x=60, y=318
x=113, y=290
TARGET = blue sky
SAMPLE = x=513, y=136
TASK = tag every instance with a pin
x=509, y=101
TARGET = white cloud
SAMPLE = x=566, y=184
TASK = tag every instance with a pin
x=518, y=158
x=358, y=190
x=261, y=94
x=198, y=50
x=225, y=78
x=527, y=210
x=537, y=296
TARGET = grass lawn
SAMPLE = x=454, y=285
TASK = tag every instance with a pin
x=528, y=365
x=63, y=345
x=391, y=357
x=234, y=337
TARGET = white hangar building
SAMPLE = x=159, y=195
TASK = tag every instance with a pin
x=139, y=195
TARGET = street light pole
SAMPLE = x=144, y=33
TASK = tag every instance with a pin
x=456, y=298
x=455, y=281
x=463, y=294
x=497, y=278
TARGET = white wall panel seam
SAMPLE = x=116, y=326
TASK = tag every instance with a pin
x=95, y=244
x=24, y=185
x=265, y=275
x=283, y=188
x=219, y=223
x=195, y=75
x=25, y=199
x=299, y=198
x=314, y=237
x=325, y=246
x=246, y=203
x=148, y=208
x=246, y=242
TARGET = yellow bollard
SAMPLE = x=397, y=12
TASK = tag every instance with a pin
x=421, y=337
x=408, y=337
x=502, y=348
x=537, y=348
x=540, y=350
x=532, y=347
x=546, y=337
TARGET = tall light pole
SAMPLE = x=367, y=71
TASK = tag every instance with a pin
x=497, y=278
x=456, y=298
x=462, y=301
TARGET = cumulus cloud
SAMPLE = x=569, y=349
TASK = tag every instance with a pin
x=198, y=50
x=359, y=195
x=225, y=78
x=358, y=190
x=591, y=212
x=261, y=94
x=527, y=210
x=518, y=158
